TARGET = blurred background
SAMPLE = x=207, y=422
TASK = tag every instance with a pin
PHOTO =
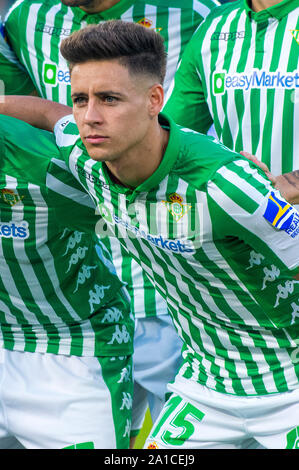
x=4, y=6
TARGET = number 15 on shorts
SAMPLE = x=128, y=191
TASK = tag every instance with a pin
x=176, y=425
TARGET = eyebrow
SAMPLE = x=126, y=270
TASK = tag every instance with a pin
x=99, y=93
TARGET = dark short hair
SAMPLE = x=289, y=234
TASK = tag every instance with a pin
x=139, y=49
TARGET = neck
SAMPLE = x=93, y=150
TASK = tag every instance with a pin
x=140, y=163
x=259, y=5
x=98, y=6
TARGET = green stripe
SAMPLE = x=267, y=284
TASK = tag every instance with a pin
x=111, y=372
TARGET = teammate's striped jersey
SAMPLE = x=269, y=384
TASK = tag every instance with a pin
x=220, y=245
x=12, y=71
x=56, y=294
x=35, y=30
x=241, y=71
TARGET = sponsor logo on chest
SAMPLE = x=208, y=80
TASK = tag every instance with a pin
x=223, y=81
x=16, y=230
x=53, y=75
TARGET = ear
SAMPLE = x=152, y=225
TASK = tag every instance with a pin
x=156, y=99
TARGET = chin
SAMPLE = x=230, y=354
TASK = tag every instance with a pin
x=98, y=157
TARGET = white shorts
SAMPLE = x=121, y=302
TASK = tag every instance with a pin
x=53, y=402
x=157, y=358
x=196, y=417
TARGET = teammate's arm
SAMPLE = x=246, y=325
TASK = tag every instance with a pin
x=187, y=103
x=36, y=111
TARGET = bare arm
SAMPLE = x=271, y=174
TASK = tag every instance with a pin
x=36, y=111
x=287, y=184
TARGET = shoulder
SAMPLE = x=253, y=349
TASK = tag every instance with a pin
x=186, y=5
x=21, y=7
x=66, y=132
x=221, y=11
x=201, y=156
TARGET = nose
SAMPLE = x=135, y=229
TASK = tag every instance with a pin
x=93, y=114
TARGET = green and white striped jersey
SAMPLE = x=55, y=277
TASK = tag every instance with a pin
x=56, y=294
x=35, y=30
x=220, y=245
x=9, y=65
x=240, y=71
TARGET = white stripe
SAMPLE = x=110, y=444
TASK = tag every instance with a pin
x=231, y=110
x=244, y=186
x=30, y=28
x=201, y=8
x=67, y=191
x=267, y=57
x=276, y=151
x=62, y=64
x=205, y=53
x=173, y=46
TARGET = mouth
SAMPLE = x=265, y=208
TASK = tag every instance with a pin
x=96, y=139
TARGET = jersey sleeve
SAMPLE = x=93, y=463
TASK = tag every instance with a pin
x=244, y=204
x=28, y=150
x=73, y=207
x=186, y=102
x=14, y=79
x=12, y=73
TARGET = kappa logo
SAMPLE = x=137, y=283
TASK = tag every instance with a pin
x=90, y=177
x=10, y=197
x=52, y=30
x=282, y=215
x=229, y=36
x=176, y=207
x=148, y=24
x=295, y=34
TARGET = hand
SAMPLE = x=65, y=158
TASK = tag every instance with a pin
x=262, y=166
x=287, y=184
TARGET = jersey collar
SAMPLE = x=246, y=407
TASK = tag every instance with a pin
x=276, y=11
x=114, y=12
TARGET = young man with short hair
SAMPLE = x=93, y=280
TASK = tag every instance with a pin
x=35, y=29
x=209, y=230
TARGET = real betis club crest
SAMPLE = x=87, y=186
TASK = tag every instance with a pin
x=148, y=24
x=295, y=34
x=176, y=207
x=9, y=197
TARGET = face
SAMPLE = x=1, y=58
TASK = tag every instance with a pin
x=113, y=110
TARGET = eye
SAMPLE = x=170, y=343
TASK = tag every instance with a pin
x=79, y=100
x=110, y=99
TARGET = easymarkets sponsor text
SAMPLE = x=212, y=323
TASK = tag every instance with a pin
x=257, y=79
